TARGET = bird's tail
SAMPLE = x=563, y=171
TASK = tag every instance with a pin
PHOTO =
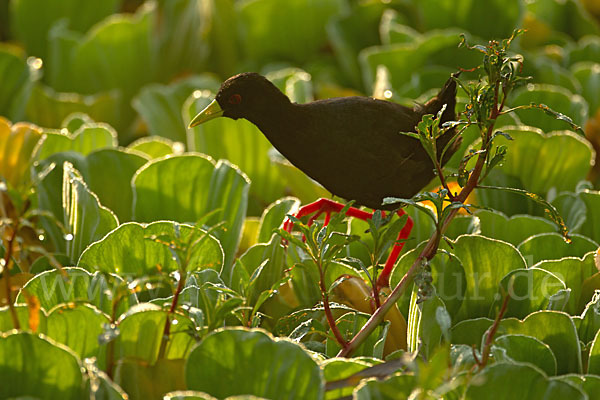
x=447, y=96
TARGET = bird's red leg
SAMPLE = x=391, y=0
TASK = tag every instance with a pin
x=325, y=206
x=328, y=206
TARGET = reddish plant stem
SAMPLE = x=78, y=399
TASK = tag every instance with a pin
x=330, y=320
x=440, y=174
x=376, y=299
x=167, y=329
x=7, y=261
x=110, y=347
x=489, y=339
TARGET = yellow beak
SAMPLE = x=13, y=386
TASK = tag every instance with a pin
x=212, y=111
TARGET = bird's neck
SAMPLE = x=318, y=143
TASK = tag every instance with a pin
x=279, y=123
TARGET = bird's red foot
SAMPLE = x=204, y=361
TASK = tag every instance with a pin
x=328, y=206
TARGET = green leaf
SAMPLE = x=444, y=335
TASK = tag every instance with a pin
x=301, y=185
x=529, y=290
x=76, y=285
x=591, y=225
x=551, y=212
x=75, y=121
x=574, y=272
x=143, y=381
x=107, y=173
x=101, y=386
x=572, y=208
x=23, y=315
x=129, y=249
x=587, y=49
x=49, y=108
x=224, y=46
x=141, y=331
x=302, y=20
x=116, y=54
x=56, y=372
x=294, y=82
x=394, y=29
x=594, y=360
x=552, y=246
x=205, y=291
x=525, y=349
x=430, y=331
x=590, y=384
x=31, y=20
x=336, y=369
x=485, y=262
x=18, y=77
x=449, y=280
x=85, y=219
x=588, y=74
x=492, y=20
x=395, y=386
x=264, y=263
x=272, y=368
x=547, y=70
x=539, y=160
x=554, y=328
x=568, y=17
x=350, y=32
x=160, y=106
x=155, y=147
x=589, y=323
x=274, y=215
x=163, y=191
x=557, y=99
x=507, y=380
x=495, y=224
x=462, y=225
x=78, y=327
x=470, y=331
x=86, y=139
x=182, y=32
x=434, y=48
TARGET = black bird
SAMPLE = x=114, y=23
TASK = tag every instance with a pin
x=351, y=145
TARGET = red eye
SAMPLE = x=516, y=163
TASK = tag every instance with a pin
x=235, y=99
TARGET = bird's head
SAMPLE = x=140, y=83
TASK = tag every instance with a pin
x=242, y=96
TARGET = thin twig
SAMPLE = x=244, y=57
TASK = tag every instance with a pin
x=489, y=339
x=440, y=174
x=167, y=329
x=330, y=320
x=7, y=265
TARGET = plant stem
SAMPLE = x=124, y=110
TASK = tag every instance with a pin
x=440, y=174
x=330, y=320
x=491, y=333
x=167, y=330
x=110, y=347
x=7, y=261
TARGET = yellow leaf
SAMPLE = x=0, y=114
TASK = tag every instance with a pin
x=17, y=143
